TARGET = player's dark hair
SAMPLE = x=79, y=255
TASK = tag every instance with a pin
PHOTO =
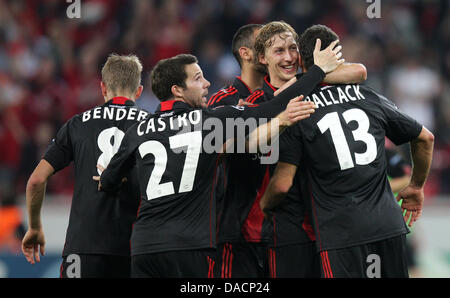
x=243, y=38
x=307, y=42
x=169, y=72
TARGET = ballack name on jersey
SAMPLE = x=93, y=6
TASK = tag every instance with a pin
x=173, y=123
x=113, y=113
x=345, y=94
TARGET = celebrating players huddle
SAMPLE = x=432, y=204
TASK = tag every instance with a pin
x=152, y=200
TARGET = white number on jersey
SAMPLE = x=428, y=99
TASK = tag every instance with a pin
x=193, y=141
x=331, y=121
x=108, y=149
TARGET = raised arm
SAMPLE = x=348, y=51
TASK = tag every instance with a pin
x=34, y=240
x=347, y=73
x=412, y=195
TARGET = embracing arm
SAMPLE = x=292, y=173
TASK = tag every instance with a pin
x=278, y=187
x=347, y=73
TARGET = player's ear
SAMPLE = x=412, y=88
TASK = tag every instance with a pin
x=139, y=91
x=177, y=91
x=104, y=90
x=262, y=59
x=244, y=53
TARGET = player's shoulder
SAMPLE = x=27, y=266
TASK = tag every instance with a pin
x=225, y=94
x=256, y=96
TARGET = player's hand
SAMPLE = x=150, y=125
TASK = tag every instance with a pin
x=328, y=59
x=243, y=103
x=97, y=178
x=412, y=202
x=33, y=242
x=297, y=110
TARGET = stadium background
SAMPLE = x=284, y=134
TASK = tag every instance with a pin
x=50, y=70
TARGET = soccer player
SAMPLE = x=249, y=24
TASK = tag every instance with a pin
x=100, y=223
x=243, y=233
x=291, y=250
x=340, y=152
x=174, y=234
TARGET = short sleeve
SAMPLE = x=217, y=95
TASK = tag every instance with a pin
x=400, y=128
x=60, y=151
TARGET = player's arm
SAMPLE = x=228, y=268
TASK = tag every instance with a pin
x=399, y=183
x=34, y=240
x=265, y=134
x=347, y=73
x=112, y=177
x=412, y=195
x=278, y=187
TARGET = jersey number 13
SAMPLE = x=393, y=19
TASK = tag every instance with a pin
x=331, y=122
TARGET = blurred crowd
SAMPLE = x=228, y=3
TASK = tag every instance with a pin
x=50, y=64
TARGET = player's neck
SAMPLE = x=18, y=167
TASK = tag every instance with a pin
x=276, y=82
x=252, y=78
x=128, y=96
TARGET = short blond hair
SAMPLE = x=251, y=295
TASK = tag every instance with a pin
x=265, y=36
x=122, y=73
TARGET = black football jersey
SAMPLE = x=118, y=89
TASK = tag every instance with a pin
x=99, y=223
x=241, y=181
x=291, y=223
x=173, y=151
x=340, y=152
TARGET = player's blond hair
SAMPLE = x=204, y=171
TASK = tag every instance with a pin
x=266, y=35
x=122, y=74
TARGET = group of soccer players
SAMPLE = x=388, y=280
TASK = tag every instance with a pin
x=151, y=201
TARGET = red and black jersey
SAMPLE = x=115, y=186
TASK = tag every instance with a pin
x=241, y=181
x=340, y=151
x=99, y=223
x=290, y=222
x=176, y=169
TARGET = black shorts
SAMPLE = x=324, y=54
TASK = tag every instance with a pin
x=95, y=266
x=241, y=260
x=385, y=259
x=294, y=261
x=197, y=263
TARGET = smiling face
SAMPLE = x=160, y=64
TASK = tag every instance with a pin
x=281, y=58
x=196, y=88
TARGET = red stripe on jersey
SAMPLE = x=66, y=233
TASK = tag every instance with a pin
x=251, y=96
x=223, y=260
x=119, y=100
x=230, y=265
x=261, y=93
x=253, y=223
x=225, y=95
x=307, y=227
x=213, y=97
x=328, y=263
x=167, y=105
x=250, y=90
x=324, y=267
x=270, y=85
x=313, y=208
x=221, y=92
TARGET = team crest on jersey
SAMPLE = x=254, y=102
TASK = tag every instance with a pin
x=240, y=108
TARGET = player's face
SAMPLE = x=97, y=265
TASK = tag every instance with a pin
x=196, y=86
x=281, y=59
